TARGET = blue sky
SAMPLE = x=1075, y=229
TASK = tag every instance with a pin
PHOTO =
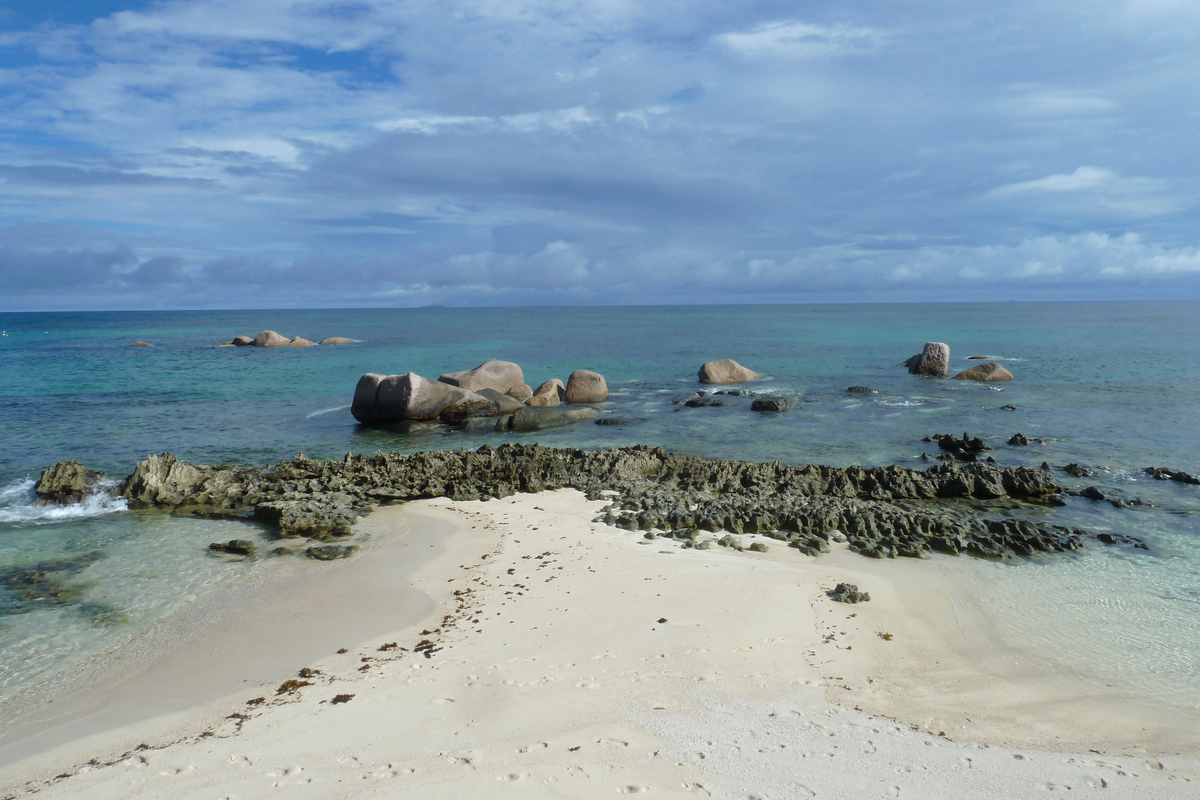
x=225, y=153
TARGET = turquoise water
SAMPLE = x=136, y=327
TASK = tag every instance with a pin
x=1108, y=385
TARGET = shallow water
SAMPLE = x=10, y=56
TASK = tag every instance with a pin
x=1109, y=385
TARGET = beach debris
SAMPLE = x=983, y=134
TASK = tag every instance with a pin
x=1164, y=474
x=341, y=698
x=726, y=371
x=772, y=404
x=308, y=672
x=662, y=620
x=291, y=686
x=848, y=593
x=66, y=483
x=256, y=701
x=1018, y=440
x=585, y=386
x=986, y=372
x=933, y=360
x=234, y=547
x=887, y=637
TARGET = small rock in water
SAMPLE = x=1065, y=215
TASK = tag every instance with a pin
x=705, y=402
x=772, y=404
x=330, y=552
x=1092, y=493
x=235, y=547
x=1078, y=470
x=1164, y=474
x=860, y=390
x=1018, y=439
x=1008, y=408
x=1120, y=538
x=617, y=421
x=849, y=593
x=964, y=446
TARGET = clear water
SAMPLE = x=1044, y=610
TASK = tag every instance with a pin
x=1110, y=385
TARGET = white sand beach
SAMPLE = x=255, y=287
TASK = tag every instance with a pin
x=512, y=648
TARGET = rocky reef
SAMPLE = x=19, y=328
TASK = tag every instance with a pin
x=883, y=511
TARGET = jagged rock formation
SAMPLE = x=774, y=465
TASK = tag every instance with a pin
x=66, y=482
x=883, y=511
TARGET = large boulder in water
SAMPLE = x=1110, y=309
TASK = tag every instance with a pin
x=242, y=341
x=933, y=360
x=363, y=405
x=990, y=371
x=550, y=393
x=409, y=396
x=300, y=341
x=726, y=371
x=535, y=419
x=271, y=339
x=67, y=482
x=491, y=374
x=337, y=340
x=585, y=386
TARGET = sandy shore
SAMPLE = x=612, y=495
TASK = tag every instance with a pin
x=511, y=648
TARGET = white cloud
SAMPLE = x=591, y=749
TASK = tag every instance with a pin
x=1083, y=178
x=793, y=39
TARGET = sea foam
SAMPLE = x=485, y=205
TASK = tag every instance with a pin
x=18, y=503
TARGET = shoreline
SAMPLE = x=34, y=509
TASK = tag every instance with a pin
x=567, y=633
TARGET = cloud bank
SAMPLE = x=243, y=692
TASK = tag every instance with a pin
x=374, y=152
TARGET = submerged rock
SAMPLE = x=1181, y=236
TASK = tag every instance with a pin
x=990, y=371
x=772, y=404
x=532, y=418
x=140, y=344
x=337, y=340
x=860, y=390
x=331, y=552
x=235, y=547
x=66, y=483
x=1164, y=474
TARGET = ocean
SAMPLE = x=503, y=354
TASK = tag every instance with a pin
x=1106, y=385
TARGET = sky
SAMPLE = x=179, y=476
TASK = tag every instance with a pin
x=342, y=153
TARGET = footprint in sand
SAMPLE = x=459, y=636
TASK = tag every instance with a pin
x=611, y=743
x=576, y=771
x=529, y=748
x=389, y=771
x=513, y=776
x=179, y=770
x=962, y=763
x=698, y=788
x=633, y=788
x=241, y=761
x=1097, y=783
